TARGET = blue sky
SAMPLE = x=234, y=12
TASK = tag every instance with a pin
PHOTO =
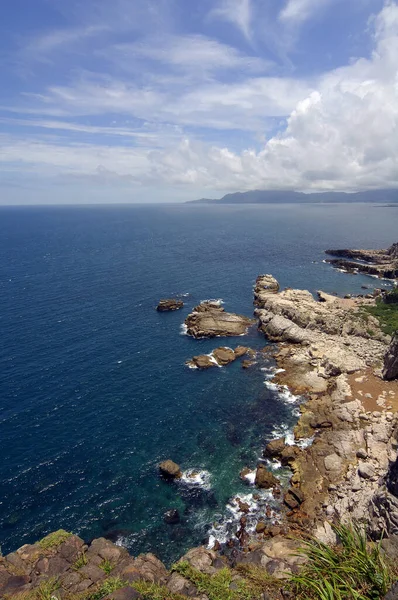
x=170, y=100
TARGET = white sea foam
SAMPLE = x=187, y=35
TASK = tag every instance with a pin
x=217, y=301
x=283, y=392
x=183, y=329
x=250, y=477
x=196, y=478
x=259, y=505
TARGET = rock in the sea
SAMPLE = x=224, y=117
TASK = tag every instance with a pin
x=241, y=351
x=246, y=364
x=210, y=320
x=172, y=516
x=224, y=356
x=170, y=470
x=390, y=370
x=169, y=304
x=203, y=361
x=264, y=478
x=275, y=448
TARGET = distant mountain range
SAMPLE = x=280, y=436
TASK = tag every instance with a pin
x=288, y=197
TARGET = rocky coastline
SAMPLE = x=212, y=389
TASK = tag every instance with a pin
x=381, y=263
x=334, y=354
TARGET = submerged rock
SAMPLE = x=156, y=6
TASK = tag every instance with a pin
x=169, y=304
x=170, y=470
x=172, y=516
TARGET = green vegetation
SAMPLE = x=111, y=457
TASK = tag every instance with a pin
x=386, y=314
x=106, y=566
x=153, y=591
x=80, y=562
x=54, y=539
x=392, y=297
x=353, y=570
x=106, y=587
x=47, y=588
x=248, y=583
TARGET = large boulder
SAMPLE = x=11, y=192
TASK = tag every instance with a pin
x=210, y=320
x=224, y=356
x=275, y=448
x=170, y=470
x=390, y=370
x=264, y=478
x=169, y=304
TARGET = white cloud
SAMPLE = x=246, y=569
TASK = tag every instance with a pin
x=344, y=135
x=341, y=130
x=187, y=52
x=237, y=12
x=298, y=11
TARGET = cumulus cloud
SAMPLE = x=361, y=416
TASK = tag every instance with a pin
x=336, y=131
x=343, y=135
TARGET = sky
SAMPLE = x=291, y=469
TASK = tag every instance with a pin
x=172, y=100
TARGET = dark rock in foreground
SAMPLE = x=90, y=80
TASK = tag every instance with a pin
x=390, y=370
x=209, y=319
x=219, y=357
x=169, y=304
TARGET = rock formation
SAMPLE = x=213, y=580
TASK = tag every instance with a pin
x=219, y=357
x=169, y=304
x=383, y=263
x=209, y=319
x=328, y=354
x=264, y=478
x=390, y=370
x=170, y=470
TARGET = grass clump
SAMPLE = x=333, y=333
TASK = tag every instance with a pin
x=52, y=540
x=220, y=586
x=106, y=566
x=386, y=314
x=80, y=562
x=44, y=591
x=353, y=570
x=153, y=591
x=106, y=587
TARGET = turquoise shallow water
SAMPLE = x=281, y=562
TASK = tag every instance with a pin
x=93, y=389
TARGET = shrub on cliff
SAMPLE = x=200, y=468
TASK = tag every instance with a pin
x=353, y=570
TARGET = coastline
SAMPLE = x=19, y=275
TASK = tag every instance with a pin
x=324, y=353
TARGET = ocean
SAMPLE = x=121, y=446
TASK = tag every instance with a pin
x=94, y=390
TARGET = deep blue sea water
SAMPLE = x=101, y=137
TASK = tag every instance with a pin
x=94, y=391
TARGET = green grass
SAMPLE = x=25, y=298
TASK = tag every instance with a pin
x=80, y=562
x=55, y=539
x=386, y=314
x=353, y=570
x=223, y=585
x=153, y=591
x=106, y=587
x=106, y=566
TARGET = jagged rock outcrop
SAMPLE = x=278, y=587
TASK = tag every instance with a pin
x=209, y=319
x=264, y=478
x=169, y=304
x=390, y=370
x=220, y=357
x=383, y=263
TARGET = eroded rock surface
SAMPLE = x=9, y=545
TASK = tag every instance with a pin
x=390, y=370
x=220, y=357
x=209, y=319
x=170, y=470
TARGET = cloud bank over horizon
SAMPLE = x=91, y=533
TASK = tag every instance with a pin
x=132, y=101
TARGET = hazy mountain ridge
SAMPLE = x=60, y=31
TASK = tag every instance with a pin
x=288, y=197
